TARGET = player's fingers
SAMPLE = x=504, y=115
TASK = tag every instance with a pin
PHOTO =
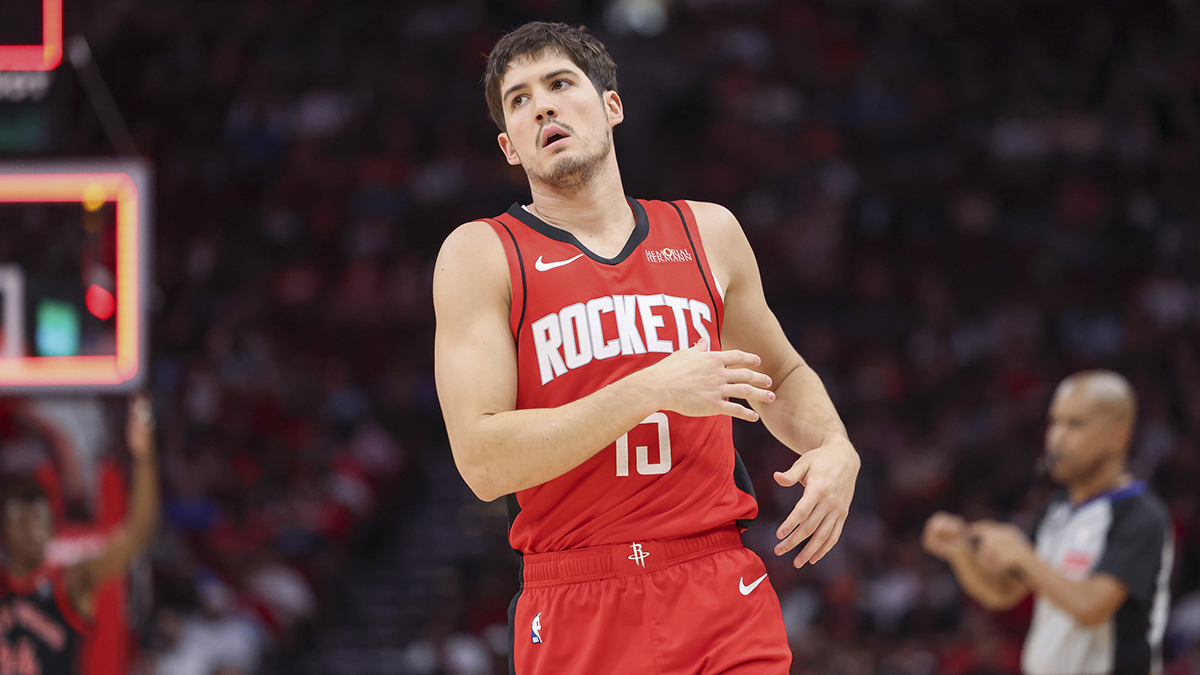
x=817, y=540
x=747, y=392
x=739, y=411
x=799, y=525
x=794, y=475
x=701, y=345
x=747, y=376
x=833, y=539
x=803, y=531
x=736, y=358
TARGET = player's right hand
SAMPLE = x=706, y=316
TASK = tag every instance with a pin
x=945, y=534
x=697, y=382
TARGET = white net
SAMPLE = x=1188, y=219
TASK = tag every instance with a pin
x=21, y=86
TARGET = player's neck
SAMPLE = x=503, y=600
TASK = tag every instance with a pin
x=596, y=210
x=1109, y=477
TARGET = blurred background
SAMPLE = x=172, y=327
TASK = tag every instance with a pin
x=954, y=203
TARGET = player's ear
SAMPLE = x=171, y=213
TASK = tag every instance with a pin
x=507, y=147
x=614, y=108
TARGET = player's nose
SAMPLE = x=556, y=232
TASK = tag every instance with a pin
x=545, y=111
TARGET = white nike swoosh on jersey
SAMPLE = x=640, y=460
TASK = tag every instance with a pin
x=746, y=589
x=545, y=266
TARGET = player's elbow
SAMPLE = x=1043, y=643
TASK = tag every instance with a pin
x=476, y=475
x=483, y=490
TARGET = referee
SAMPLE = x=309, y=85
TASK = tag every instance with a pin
x=1101, y=558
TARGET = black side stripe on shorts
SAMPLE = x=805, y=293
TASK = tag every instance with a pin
x=703, y=275
x=524, y=288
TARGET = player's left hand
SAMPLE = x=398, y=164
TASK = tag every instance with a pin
x=139, y=428
x=1001, y=547
x=828, y=474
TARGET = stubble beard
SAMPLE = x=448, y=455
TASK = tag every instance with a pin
x=573, y=173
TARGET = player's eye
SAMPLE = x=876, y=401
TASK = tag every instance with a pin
x=556, y=83
x=518, y=100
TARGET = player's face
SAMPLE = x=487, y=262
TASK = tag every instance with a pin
x=27, y=529
x=1080, y=436
x=557, y=126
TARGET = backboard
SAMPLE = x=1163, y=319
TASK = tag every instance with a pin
x=74, y=246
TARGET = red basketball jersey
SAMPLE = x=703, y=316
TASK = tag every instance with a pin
x=582, y=322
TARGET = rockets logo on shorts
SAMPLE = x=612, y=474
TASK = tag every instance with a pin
x=575, y=335
x=639, y=556
x=537, y=629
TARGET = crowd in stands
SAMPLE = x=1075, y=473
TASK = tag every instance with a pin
x=953, y=204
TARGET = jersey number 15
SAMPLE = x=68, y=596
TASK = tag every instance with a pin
x=644, y=467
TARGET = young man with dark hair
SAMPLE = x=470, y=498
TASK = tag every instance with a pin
x=45, y=610
x=1100, y=562
x=587, y=345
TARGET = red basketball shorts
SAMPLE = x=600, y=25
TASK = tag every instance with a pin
x=697, y=605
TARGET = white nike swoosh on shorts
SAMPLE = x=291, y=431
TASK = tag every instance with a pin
x=746, y=589
x=545, y=266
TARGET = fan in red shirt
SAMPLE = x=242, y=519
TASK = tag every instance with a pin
x=587, y=348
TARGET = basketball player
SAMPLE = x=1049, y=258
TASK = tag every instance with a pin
x=587, y=348
x=45, y=610
x=1101, y=560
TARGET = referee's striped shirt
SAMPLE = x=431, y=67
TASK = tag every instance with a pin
x=1126, y=533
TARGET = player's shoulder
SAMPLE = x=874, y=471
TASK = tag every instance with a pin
x=712, y=214
x=471, y=244
x=720, y=231
x=719, y=228
x=472, y=255
x=469, y=237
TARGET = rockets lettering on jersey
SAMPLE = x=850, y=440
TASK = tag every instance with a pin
x=580, y=322
x=575, y=335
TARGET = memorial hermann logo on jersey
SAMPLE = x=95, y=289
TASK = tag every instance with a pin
x=639, y=556
x=536, y=635
x=666, y=255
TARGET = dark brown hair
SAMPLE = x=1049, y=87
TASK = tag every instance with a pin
x=23, y=488
x=576, y=44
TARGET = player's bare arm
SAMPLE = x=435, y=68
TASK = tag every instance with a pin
x=1092, y=600
x=134, y=536
x=946, y=537
x=501, y=450
x=802, y=415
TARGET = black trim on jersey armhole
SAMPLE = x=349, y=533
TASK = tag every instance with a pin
x=514, y=508
x=741, y=480
x=512, y=620
x=703, y=275
x=524, y=287
x=641, y=229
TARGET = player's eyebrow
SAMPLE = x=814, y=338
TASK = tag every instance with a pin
x=548, y=76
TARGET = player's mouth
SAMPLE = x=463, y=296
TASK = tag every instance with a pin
x=553, y=135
